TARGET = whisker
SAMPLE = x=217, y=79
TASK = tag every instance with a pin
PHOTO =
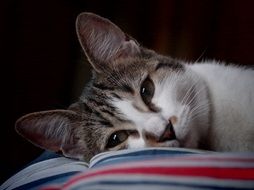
x=199, y=110
x=188, y=93
x=202, y=54
x=195, y=95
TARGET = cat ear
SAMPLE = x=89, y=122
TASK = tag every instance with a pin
x=51, y=130
x=102, y=41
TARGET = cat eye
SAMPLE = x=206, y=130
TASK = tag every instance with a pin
x=147, y=90
x=117, y=138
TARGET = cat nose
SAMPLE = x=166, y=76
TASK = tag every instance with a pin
x=168, y=134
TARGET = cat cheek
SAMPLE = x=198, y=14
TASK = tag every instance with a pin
x=180, y=122
x=155, y=125
x=136, y=143
x=186, y=133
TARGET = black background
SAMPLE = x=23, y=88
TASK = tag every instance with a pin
x=42, y=63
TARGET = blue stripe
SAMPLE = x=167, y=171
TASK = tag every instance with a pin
x=158, y=185
x=140, y=155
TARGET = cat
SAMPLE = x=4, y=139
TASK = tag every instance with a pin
x=138, y=98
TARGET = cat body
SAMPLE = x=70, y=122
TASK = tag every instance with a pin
x=137, y=98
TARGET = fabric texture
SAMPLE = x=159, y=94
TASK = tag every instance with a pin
x=152, y=168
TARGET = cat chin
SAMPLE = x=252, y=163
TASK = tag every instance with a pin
x=172, y=143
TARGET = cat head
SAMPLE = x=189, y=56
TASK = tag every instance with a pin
x=136, y=98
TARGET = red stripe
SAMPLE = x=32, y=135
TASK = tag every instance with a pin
x=223, y=173
x=205, y=159
x=241, y=160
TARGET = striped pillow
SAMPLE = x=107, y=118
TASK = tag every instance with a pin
x=166, y=169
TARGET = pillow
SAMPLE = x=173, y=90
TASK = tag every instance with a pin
x=46, y=169
x=150, y=168
x=167, y=169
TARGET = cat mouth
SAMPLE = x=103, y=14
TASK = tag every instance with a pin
x=168, y=134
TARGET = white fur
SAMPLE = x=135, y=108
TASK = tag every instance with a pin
x=136, y=143
x=231, y=92
x=222, y=117
x=144, y=120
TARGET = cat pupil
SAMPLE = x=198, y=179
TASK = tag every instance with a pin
x=117, y=138
x=147, y=90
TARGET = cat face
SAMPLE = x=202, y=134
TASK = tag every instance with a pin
x=136, y=98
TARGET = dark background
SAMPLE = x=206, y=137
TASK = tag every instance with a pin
x=42, y=63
